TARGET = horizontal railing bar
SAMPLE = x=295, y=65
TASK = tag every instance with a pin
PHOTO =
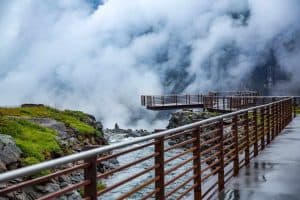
x=210, y=166
x=179, y=176
x=209, y=189
x=150, y=194
x=124, y=152
x=210, y=148
x=187, y=191
x=180, y=144
x=107, y=189
x=65, y=190
x=210, y=174
x=128, y=194
x=43, y=178
x=180, y=186
x=210, y=157
x=104, y=175
x=180, y=154
x=179, y=165
x=10, y=175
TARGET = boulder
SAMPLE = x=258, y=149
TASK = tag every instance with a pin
x=10, y=154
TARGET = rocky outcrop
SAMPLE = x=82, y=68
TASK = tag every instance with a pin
x=10, y=154
x=126, y=132
x=186, y=117
x=70, y=141
x=69, y=138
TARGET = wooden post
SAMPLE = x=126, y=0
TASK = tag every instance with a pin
x=255, y=133
x=159, y=171
x=247, y=150
x=262, y=139
x=90, y=173
x=197, y=164
x=236, y=161
x=221, y=176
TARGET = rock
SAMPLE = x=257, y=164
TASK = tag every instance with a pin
x=59, y=127
x=186, y=117
x=74, y=196
x=10, y=154
x=117, y=126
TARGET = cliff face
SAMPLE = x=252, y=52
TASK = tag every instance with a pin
x=35, y=133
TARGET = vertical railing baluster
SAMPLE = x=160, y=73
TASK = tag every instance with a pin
x=221, y=176
x=236, y=161
x=263, y=133
x=268, y=109
x=281, y=116
x=90, y=173
x=272, y=121
x=197, y=164
x=247, y=150
x=159, y=170
x=295, y=107
x=255, y=132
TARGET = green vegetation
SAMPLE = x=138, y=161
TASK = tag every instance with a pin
x=74, y=119
x=37, y=143
x=298, y=110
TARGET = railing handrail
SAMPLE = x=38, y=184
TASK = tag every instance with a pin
x=29, y=170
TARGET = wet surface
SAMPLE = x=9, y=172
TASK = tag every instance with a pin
x=274, y=173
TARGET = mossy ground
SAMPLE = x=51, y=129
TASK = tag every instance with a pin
x=38, y=143
x=74, y=119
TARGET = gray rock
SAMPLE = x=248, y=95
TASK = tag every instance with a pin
x=74, y=196
x=59, y=127
x=10, y=154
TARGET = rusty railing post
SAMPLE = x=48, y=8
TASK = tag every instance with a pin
x=236, y=161
x=221, y=175
x=281, y=116
x=268, y=125
x=295, y=107
x=272, y=121
x=197, y=164
x=90, y=173
x=159, y=171
x=263, y=133
x=247, y=150
x=255, y=132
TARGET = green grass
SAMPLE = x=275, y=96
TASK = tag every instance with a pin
x=74, y=119
x=37, y=143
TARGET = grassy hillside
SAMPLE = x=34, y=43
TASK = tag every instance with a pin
x=36, y=142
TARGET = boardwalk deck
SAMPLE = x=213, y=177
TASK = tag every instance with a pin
x=273, y=174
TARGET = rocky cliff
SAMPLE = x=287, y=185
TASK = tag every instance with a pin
x=34, y=133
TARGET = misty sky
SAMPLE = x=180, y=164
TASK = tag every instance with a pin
x=100, y=58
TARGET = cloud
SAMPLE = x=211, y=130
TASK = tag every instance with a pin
x=70, y=54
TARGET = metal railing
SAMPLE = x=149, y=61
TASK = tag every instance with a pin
x=212, y=151
x=188, y=99
x=219, y=103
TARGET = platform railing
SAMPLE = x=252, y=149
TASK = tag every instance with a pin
x=209, y=102
x=189, y=99
x=212, y=151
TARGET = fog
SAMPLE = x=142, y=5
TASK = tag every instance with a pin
x=100, y=57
